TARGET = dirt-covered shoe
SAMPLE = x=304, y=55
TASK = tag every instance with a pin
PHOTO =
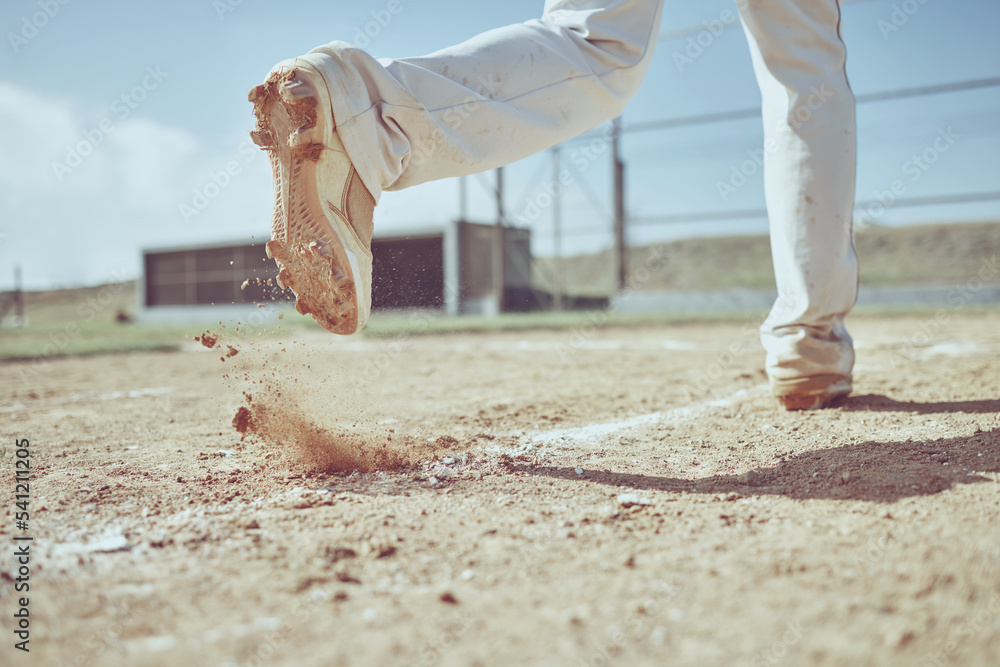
x=321, y=229
x=812, y=396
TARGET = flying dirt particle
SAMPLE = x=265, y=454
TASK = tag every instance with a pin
x=448, y=598
x=245, y=285
x=207, y=339
x=335, y=553
x=243, y=421
x=232, y=351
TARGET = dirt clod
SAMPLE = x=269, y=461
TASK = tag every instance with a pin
x=243, y=421
x=207, y=339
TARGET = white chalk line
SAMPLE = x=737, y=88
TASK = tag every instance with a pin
x=593, y=433
x=522, y=345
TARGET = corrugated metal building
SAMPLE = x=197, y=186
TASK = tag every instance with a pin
x=448, y=269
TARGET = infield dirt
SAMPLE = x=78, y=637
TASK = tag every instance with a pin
x=607, y=496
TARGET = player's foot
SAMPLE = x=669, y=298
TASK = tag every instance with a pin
x=811, y=396
x=321, y=228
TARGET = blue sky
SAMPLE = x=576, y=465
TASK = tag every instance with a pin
x=162, y=86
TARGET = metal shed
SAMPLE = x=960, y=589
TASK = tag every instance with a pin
x=449, y=269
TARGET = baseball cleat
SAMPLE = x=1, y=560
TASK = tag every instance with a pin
x=815, y=398
x=321, y=227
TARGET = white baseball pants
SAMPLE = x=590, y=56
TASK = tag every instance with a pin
x=518, y=90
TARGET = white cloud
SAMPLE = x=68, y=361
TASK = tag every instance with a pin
x=81, y=196
x=34, y=129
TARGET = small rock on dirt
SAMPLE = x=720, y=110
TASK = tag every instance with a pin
x=633, y=500
x=335, y=553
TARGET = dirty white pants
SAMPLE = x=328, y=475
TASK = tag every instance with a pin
x=512, y=92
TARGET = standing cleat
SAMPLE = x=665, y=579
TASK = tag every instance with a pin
x=806, y=397
x=321, y=227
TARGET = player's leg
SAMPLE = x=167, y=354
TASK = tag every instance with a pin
x=341, y=127
x=809, y=175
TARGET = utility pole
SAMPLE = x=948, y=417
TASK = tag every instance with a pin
x=18, y=296
x=499, y=251
x=463, y=199
x=559, y=286
x=619, y=187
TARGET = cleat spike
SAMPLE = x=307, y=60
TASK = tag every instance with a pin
x=284, y=279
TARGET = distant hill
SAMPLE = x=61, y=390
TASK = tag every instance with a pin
x=941, y=255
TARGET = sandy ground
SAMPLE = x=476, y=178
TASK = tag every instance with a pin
x=590, y=497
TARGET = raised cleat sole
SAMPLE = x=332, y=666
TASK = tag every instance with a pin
x=312, y=260
x=321, y=288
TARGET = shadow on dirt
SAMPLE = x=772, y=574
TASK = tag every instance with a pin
x=879, y=403
x=871, y=471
